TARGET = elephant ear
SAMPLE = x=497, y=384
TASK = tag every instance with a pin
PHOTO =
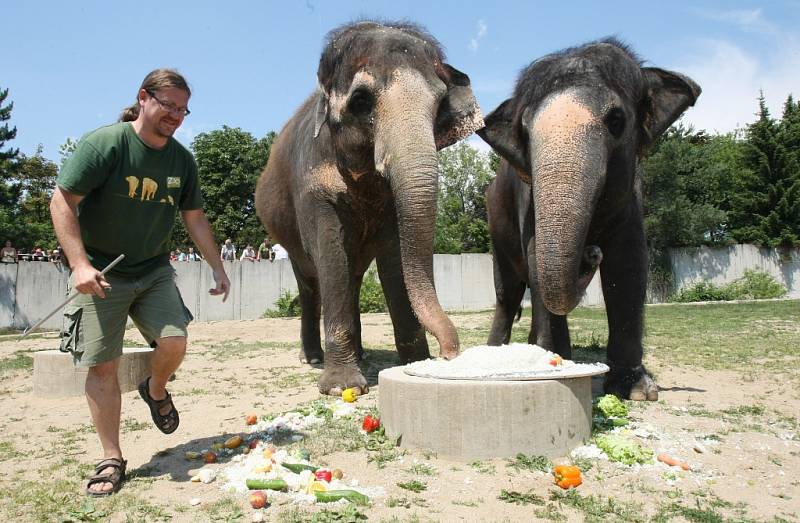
x=459, y=114
x=500, y=133
x=321, y=112
x=668, y=95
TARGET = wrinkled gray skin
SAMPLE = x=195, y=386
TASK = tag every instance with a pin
x=567, y=199
x=353, y=178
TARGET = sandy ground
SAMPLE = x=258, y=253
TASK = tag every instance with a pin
x=749, y=466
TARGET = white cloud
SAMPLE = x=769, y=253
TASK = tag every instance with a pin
x=476, y=142
x=731, y=78
x=750, y=21
x=482, y=29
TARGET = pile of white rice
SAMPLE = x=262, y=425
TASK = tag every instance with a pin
x=517, y=361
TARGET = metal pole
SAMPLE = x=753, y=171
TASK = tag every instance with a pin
x=69, y=299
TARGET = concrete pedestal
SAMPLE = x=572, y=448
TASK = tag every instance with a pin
x=54, y=374
x=479, y=419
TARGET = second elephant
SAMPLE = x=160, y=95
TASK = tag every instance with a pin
x=567, y=196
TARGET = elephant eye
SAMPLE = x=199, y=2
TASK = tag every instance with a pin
x=360, y=103
x=615, y=122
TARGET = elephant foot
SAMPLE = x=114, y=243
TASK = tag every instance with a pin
x=413, y=351
x=336, y=378
x=633, y=383
x=311, y=357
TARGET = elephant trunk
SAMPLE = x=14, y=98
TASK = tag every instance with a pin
x=405, y=152
x=567, y=182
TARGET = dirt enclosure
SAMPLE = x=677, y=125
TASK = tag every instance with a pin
x=736, y=427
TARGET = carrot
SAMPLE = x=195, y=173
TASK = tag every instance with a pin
x=672, y=462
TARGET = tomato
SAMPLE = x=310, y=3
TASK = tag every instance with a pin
x=258, y=499
x=210, y=457
x=323, y=475
x=251, y=419
x=370, y=423
x=556, y=360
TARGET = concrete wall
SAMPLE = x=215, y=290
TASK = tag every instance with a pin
x=30, y=290
x=723, y=265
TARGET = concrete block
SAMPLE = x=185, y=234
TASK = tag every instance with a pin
x=212, y=308
x=187, y=278
x=478, y=419
x=40, y=287
x=54, y=373
x=261, y=287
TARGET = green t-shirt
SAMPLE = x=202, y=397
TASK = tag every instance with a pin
x=132, y=193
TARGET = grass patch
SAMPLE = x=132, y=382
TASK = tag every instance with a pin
x=414, y=485
x=483, y=467
x=599, y=509
x=531, y=463
x=422, y=469
x=519, y=498
x=131, y=425
x=19, y=361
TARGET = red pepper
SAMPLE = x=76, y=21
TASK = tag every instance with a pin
x=323, y=475
x=556, y=360
x=371, y=423
x=567, y=476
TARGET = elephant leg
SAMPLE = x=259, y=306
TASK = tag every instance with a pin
x=409, y=335
x=509, y=291
x=624, y=278
x=308, y=287
x=549, y=330
x=339, y=289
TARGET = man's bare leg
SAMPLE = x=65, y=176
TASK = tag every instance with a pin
x=166, y=359
x=103, y=396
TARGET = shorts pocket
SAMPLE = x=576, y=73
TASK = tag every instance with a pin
x=70, y=333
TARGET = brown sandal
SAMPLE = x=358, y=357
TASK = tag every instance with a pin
x=115, y=477
x=166, y=423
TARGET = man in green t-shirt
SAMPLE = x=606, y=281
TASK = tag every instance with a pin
x=118, y=194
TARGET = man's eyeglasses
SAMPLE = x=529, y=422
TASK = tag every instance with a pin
x=169, y=106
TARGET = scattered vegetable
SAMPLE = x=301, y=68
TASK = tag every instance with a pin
x=323, y=475
x=349, y=395
x=297, y=468
x=611, y=406
x=330, y=496
x=370, y=423
x=233, y=442
x=258, y=499
x=621, y=449
x=556, y=360
x=316, y=486
x=251, y=419
x=267, y=484
x=253, y=444
x=337, y=474
x=672, y=462
x=210, y=457
x=567, y=476
x=266, y=467
x=192, y=455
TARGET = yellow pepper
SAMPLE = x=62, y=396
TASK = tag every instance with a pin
x=349, y=395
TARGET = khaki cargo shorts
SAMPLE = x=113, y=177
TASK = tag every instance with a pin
x=94, y=327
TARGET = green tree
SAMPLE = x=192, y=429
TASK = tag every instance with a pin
x=461, y=223
x=27, y=222
x=765, y=207
x=6, y=134
x=230, y=161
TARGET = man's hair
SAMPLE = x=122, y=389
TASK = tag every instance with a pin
x=155, y=80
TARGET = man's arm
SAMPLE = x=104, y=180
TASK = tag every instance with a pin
x=64, y=211
x=200, y=231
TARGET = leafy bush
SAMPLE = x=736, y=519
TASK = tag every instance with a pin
x=754, y=285
x=287, y=306
x=371, y=298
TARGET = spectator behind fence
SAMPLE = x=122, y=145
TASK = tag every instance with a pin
x=228, y=251
x=8, y=254
x=265, y=251
x=39, y=254
x=248, y=254
x=192, y=256
x=280, y=252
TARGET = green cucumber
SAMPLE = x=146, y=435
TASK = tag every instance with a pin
x=297, y=468
x=267, y=484
x=329, y=496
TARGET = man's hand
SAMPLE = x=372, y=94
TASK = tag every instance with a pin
x=223, y=284
x=88, y=280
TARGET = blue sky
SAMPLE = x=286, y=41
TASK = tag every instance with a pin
x=72, y=66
